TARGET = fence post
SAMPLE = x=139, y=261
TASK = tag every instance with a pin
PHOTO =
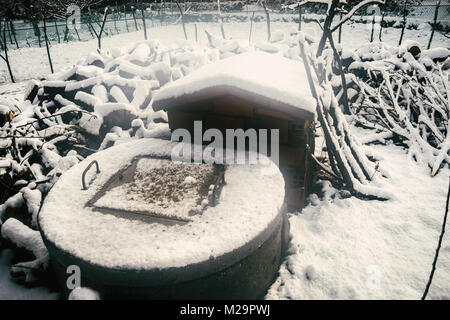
x=404, y=24
x=143, y=20
x=381, y=25
x=5, y=57
x=373, y=28
x=13, y=31
x=9, y=32
x=37, y=31
x=134, y=18
x=196, y=34
x=57, y=31
x=267, y=19
x=47, y=45
x=300, y=9
x=434, y=23
x=126, y=20
x=251, y=27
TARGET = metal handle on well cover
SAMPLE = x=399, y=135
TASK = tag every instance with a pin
x=86, y=170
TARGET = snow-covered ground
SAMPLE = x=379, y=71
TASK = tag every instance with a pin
x=341, y=248
x=356, y=249
x=32, y=63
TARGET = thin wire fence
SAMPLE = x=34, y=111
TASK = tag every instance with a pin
x=30, y=34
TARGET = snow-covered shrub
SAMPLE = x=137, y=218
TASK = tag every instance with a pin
x=405, y=91
x=24, y=237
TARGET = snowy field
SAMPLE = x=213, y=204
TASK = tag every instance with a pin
x=342, y=248
x=32, y=63
x=355, y=249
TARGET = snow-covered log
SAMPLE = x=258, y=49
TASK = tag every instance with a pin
x=31, y=240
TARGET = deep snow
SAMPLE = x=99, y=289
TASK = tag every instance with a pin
x=356, y=249
x=341, y=248
x=32, y=63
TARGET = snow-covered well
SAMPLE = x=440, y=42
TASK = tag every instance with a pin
x=248, y=211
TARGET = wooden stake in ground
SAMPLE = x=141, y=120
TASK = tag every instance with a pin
x=57, y=31
x=434, y=23
x=251, y=27
x=13, y=31
x=267, y=19
x=300, y=9
x=47, y=44
x=143, y=20
x=5, y=49
x=340, y=30
x=182, y=19
x=134, y=18
x=126, y=19
x=373, y=28
x=403, y=24
x=102, y=27
x=381, y=25
x=196, y=33
x=37, y=31
x=222, y=30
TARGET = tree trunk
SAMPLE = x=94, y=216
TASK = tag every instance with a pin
x=341, y=70
x=326, y=27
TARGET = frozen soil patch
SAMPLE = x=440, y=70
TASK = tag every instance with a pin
x=162, y=187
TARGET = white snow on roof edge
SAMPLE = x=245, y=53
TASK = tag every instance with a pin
x=268, y=75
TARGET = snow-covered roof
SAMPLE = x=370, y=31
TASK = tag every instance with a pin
x=267, y=75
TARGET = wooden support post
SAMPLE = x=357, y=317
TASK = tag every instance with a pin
x=434, y=23
x=404, y=24
x=143, y=20
x=340, y=30
x=47, y=45
x=196, y=33
x=251, y=27
x=300, y=9
x=373, y=28
x=57, y=31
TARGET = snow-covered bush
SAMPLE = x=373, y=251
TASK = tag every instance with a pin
x=405, y=91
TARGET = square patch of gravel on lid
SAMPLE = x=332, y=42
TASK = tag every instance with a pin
x=161, y=187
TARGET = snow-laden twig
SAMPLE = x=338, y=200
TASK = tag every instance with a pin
x=354, y=10
x=404, y=97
